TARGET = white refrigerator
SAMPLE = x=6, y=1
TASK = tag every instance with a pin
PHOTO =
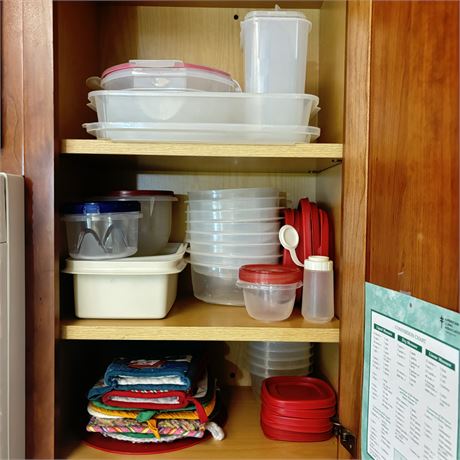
x=12, y=318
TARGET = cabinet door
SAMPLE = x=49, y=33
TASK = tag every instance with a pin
x=413, y=240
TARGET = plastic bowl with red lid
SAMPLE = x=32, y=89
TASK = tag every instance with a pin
x=269, y=290
x=169, y=75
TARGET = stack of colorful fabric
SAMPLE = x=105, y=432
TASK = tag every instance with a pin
x=155, y=400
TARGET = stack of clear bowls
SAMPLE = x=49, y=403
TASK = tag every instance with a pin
x=270, y=359
x=227, y=229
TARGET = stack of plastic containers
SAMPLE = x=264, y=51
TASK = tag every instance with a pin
x=297, y=409
x=227, y=229
x=268, y=359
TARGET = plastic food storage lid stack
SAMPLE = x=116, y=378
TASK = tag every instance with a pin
x=297, y=409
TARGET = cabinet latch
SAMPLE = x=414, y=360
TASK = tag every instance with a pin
x=346, y=437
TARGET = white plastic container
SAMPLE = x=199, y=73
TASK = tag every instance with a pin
x=234, y=194
x=166, y=75
x=318, y=290
x=262, y=226
x=202, y=107
x=294, y=363
x=237, y=203
x=259, y=377
x=198, y=132
x=235, y=214
x=246, y=250
x=102, y=229
x=269, y=290
x=134, y=288
x=279, y=350
x=216, y=285
x=155, y=224
x=222, y=260
x=232, y=238
x=275, y=45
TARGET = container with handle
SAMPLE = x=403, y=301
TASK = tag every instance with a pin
x=318, y=280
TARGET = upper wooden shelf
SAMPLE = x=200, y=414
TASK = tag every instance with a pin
x=191, y=319
x=303, y=158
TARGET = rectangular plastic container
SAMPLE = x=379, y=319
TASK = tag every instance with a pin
x=158, y=75
x=275, y=45
x=132, y=288
x=202, y=107
x=218, y=133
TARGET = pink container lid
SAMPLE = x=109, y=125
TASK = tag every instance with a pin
x=162, y=64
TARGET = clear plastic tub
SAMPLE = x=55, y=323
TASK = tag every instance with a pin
x=231, y=261
x=221, y=133
x=279, y=356
x=102, y=230
x=275, y=45
x=137, y=287
x=236, y=250
x=237, y=203
x=234, y=194
x=231, y=238
x=166, y=75
x=267, y=226
x=269, y=290
x=216, y=285
x=155, y=224
x=235, y=214
x=278, y=349
x=264, y=363
x=202, y=107
x=303, y=369
x=256, y=379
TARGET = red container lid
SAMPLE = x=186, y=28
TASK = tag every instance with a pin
x=269, y=274
x=283, y=435
x=134, y=193
x=300, y=413
x=297, y=393
x=299, y=425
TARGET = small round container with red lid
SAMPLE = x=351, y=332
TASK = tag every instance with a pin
x=155, y=225
x=269, y=290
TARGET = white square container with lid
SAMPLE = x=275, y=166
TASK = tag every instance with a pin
x=131, y=288
x=171, y=75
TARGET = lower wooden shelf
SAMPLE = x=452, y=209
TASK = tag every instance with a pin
x=244, y=439
x=191, y=319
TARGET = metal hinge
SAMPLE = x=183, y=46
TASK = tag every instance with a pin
x=346, y=437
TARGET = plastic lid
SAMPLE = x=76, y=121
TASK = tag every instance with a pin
x=140, y=193
x=269, y=274
x=100, y=207
x=300, y=425
x=285, y=435
x=275, y=14
x=161, y=64
x=327, y=412
x=318, y=263
x=298, y=392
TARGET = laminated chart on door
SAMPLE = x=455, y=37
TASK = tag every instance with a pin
x=411, y=378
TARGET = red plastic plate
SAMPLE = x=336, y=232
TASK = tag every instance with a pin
x=283, y=435
x=300, y=413
x=115, y=446
x=298, y=393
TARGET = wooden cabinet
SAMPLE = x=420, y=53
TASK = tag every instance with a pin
x=372, y=91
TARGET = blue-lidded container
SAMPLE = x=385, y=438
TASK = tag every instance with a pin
x=98, y=230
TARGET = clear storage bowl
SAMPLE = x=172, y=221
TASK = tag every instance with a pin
x=232, y=261
x=239, y=203
x=232, y=238
x=155, y=224
x=278, y=348
x=269, y=302
x=264, y=363
x=232, y=193
x=216, y=285
x=102, y=230
x=258, y=378
x=266, y=226
x=236, y=249
x=235, y=214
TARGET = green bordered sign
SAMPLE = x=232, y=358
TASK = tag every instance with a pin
x=411, y=379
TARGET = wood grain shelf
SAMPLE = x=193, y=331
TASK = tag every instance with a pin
x=244, y=439
x=191, y=319
x=303, y=158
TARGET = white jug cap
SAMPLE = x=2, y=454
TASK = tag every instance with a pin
x=318, y=263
